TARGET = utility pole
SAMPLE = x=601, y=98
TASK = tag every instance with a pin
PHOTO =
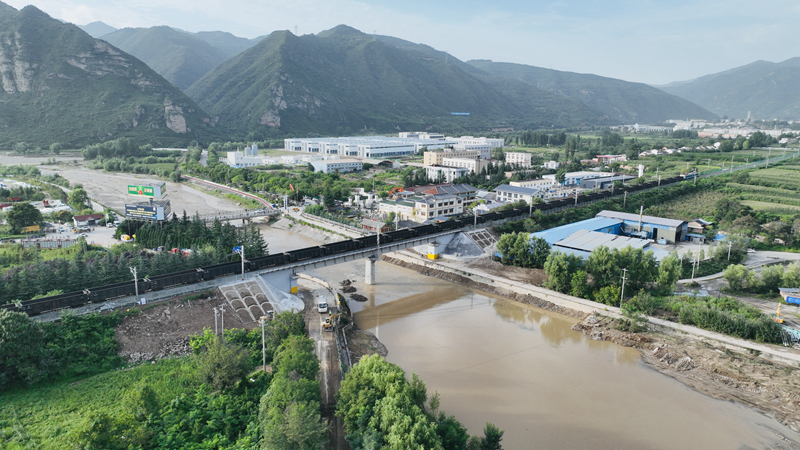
x=263, y=345
x=769, y=153
x=222, y=315
x=135, y=280
x=216, y=328
x=730, y=245
x=576, y=196
x=625, y=199
x=622, y=291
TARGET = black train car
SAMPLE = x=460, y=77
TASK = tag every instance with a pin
x=221, y=270
x=448, y=225
x=263, y=262
x=367, y=241
x=165, y=281
x=424, y=230
x=55, y=302
x=304, y=253
x=124, y=289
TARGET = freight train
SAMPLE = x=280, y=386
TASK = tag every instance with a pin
x=101, y=294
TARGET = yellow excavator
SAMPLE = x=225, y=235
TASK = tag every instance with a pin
x=330, y=322
x=777, y=316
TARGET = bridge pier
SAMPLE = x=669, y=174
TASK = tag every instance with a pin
x=370, y=270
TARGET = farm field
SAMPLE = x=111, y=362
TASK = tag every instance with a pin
x=772, y=208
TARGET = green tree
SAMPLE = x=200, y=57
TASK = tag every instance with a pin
x=559, y=269
x=23, y=215
x=222, y=364
x=608, y=295
x=56, y=148
x=22, y=350
x=580, y=285
x=669, y=271
x=738, y=277
x=78, y=198
x=300, y=427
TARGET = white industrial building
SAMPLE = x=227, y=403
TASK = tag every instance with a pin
x=365, y=146
x=521, y=159
x=248, y=158
x=506, y=193
x=573, y=178
x=447, y=174
x=337, y=165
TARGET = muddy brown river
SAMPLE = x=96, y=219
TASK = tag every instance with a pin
x=526, y=371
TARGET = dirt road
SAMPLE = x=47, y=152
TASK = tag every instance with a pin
x=330, y=374
x=111, y=190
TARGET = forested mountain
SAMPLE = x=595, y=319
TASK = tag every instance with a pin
x=618, y=100
x=768, y=90
x=342, y=81
x=97, y=29
x=61, y=85
x=179, y=56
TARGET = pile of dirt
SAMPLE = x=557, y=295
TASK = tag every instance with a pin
x=709, y=367
x=349, y=289
x=362, y=342
x=162, y=330
x=358, y=298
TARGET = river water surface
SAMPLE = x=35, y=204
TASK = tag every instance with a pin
x=523, y=369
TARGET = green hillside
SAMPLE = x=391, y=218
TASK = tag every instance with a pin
x=179, y=57
x=617, y=100
x=61, y=85
x=342, y=81
x=768, y=90
x=227, y=43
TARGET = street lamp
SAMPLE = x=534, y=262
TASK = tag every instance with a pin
x=240, y=250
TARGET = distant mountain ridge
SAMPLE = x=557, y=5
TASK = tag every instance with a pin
x=97, y=29
x=61, y=85
x=618, y=100
x=179, y=56
x=767, y=90
x=341, y=81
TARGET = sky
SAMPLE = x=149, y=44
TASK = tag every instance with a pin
x=653, y=42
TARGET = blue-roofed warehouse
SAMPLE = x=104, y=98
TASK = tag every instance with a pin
x=581, y=238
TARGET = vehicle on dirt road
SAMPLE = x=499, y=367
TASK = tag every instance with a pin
x=322, y=305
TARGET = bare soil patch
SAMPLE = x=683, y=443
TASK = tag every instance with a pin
x=531, y=276
x=362, y=342
x=162, y=330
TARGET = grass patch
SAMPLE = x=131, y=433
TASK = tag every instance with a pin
x=688, y=207
x=43, y=416
x=772, y=208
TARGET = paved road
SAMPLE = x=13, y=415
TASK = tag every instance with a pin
x=332, y=226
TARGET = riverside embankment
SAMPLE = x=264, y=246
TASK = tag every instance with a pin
x=764, y=377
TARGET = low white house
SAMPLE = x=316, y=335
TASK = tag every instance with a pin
x=337, y=165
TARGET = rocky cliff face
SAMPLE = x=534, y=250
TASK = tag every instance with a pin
x=61, y=85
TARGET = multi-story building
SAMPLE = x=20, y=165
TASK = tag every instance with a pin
x=521, y=159
x=423, y=207
x=437, y=158
x=506, y=193
x=474, y=165
x=445, y=174
x=539, y=183
x=552, y=165
x=469, y=140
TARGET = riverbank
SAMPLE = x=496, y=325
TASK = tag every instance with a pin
x=718, y=368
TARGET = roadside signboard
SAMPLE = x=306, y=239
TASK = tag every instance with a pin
x=31, y=228
x=141, y=190
x=147, y=212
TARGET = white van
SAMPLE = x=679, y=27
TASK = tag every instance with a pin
x=322, y=305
